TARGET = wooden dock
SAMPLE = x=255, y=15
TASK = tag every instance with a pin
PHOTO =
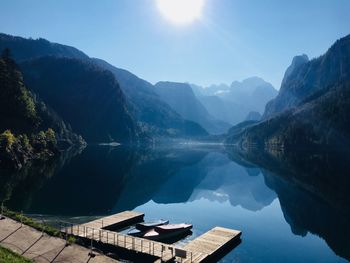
x=117, y=221
x=213, y=242
x=202, y=249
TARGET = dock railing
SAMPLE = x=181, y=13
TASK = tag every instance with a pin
x=116, y=239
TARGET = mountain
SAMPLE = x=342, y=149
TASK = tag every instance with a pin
x=71, y=89
x=253, y=92
x=253, y=116
x=182, y=99
x=65, y=136
x=304, y=78
x=233, y=103
x=153, y=114
x=297, y=62
x=87, y=97
x=224, y=110
x=212, y=90
x=33, y=113
x=312, y=106
x=22, y=131
x=24, y=49
x=322, y=120
x=17, y=106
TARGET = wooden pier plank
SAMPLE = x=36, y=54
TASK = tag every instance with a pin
x=210, y=243
x=116, y=220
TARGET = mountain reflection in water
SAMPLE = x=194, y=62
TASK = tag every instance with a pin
x=206, y=186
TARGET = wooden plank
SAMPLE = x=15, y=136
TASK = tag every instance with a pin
x=210, y=243
x=116, y=221
x=167, y=257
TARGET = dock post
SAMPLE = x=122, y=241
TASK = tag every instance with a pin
x=42, y=229
x=107, y=237
x=91, y=254
x=66, y=239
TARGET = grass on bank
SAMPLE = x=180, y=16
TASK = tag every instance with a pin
x=7, y=256
x=32, y=223
x=51, y=231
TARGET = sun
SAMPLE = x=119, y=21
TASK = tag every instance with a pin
x=181, y=11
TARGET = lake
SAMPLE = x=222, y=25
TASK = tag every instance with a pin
x=201, y=184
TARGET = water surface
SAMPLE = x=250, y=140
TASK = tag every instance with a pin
x=205, y=186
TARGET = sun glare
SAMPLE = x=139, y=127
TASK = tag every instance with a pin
x=181, y=11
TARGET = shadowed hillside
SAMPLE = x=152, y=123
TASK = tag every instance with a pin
x=88, y=97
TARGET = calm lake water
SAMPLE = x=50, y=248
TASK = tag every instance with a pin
x=202, y=185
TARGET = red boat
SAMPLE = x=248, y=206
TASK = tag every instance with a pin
x=165, y=232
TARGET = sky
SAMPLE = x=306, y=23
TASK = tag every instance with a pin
x=233, y=39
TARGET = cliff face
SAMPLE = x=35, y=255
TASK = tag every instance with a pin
x=297, y=62
x=303, y=78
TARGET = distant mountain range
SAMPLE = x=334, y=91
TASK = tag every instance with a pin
x=182, y=99
x=312, y=107
x=101, y=102
x=233, y=104
x=134, y=109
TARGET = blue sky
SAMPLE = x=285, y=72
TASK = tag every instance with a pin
x=235, y=39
